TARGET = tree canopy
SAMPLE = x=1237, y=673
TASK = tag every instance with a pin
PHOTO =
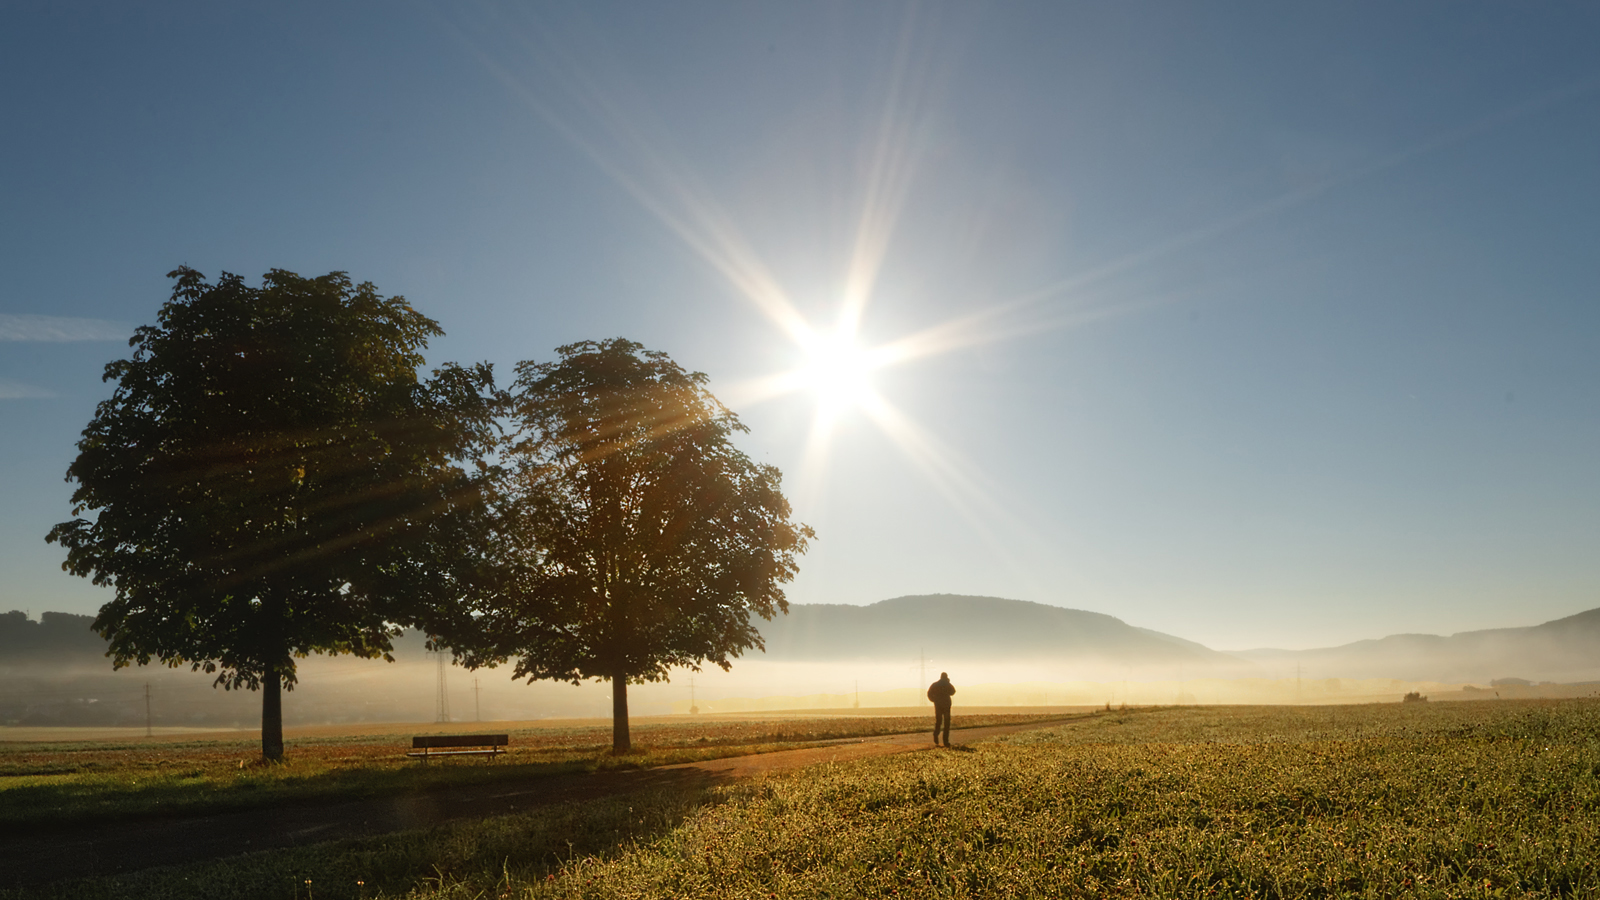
x=632, y=535
x=271, y=478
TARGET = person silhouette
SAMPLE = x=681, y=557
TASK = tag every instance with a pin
x=940, y=693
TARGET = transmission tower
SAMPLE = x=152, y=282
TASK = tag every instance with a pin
x=442, y=700
x=922, y=670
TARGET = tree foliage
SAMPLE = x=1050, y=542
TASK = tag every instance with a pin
x=270, y=478
x=633, y=536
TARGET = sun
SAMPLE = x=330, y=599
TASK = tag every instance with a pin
x=837, y=370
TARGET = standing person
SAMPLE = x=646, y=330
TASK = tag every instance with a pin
x=940, y=693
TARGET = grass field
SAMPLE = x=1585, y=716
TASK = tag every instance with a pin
x=1414, y=800
x=62, y=783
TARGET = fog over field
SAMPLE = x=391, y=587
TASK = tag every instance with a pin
x=998, y=652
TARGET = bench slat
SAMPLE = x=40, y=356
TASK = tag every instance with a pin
x=429, y=741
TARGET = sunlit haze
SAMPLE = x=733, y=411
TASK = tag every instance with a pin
x=1256, y=325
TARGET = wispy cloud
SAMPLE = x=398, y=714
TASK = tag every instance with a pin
x=14, y=390
x=15, y=327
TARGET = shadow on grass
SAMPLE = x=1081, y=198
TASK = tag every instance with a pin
x=76, y=801
x=72, y=803
x=478, y=837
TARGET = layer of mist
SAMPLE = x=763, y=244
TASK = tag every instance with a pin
x=819, y=657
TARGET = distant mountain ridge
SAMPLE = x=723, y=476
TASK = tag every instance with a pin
x=955, y=626
x=951, y=627
x=1566, y=649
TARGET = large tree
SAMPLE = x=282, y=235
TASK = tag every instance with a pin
x=271, y=478
x=633, y=535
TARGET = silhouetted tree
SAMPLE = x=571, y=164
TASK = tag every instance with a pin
x=270, y=478
x=633, y=535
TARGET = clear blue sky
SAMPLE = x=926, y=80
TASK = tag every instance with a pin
x=1276, y=324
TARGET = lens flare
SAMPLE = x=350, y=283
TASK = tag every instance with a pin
x=838, y=370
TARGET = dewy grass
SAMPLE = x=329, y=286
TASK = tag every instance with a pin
x=1457, y=800
x=60, y=784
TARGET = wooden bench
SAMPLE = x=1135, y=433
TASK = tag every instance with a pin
x=430, y=745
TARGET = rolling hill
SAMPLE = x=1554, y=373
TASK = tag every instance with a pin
x=952, y=626
x=1566, y=650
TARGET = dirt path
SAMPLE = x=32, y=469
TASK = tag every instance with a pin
x=145, y=843
x=841, y=751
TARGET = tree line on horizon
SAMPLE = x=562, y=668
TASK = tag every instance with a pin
x=55, y=636
x=271, y=478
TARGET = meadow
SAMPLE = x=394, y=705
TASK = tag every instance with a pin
x=58, y=784
x=1419, y=800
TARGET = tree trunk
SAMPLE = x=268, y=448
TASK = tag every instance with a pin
x=272, y=716
x=619, y=714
